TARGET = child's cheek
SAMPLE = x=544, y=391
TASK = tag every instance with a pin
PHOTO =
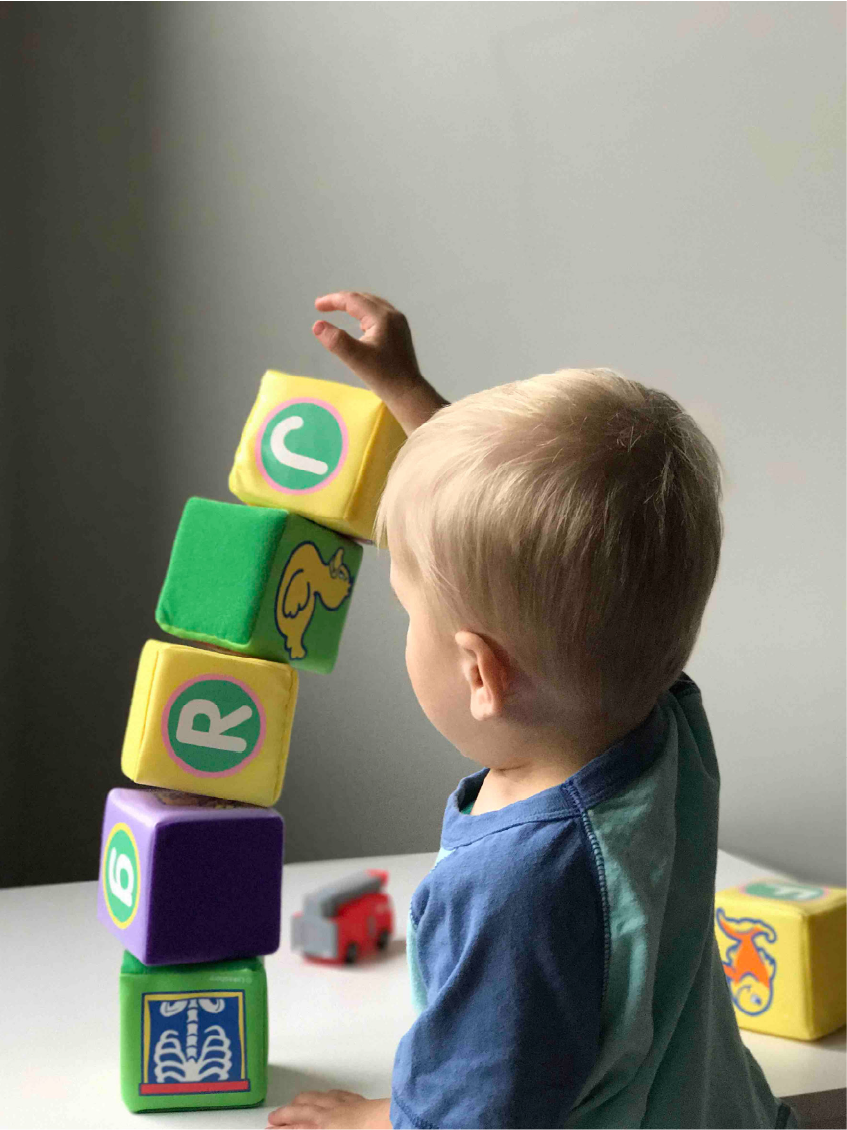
x=417, y=668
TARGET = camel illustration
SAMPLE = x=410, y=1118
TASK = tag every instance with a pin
x=305, y=579
x=750, y=970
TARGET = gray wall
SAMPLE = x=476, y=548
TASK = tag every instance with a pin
x=84, y=491
x=654, y=187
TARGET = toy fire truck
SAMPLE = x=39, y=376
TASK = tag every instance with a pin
x=345, y=920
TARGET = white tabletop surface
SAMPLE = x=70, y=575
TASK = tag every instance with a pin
x=335, y=1026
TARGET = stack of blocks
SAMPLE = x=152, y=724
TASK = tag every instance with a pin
x=191, y=869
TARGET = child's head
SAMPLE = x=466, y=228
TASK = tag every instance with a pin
x=573, y=522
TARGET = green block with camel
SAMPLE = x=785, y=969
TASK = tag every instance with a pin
x=263, y=582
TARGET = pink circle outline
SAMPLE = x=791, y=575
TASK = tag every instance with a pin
x=207, y=772
x=257, y=451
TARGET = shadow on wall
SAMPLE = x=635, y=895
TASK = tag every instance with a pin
x=78, y=428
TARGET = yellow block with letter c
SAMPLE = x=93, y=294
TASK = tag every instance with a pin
x=317, y=448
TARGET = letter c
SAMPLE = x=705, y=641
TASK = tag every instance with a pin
x=292, y=458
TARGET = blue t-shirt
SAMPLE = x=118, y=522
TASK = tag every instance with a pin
x=563, y=957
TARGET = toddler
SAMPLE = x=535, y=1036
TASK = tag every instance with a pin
x=554, y=542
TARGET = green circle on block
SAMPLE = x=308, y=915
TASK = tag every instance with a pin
x=317, y=440
x=785, y=892
x=121, y=875
x=214, y=726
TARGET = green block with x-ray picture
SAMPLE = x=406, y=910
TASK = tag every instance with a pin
x=267, y=583
x=193, y=1036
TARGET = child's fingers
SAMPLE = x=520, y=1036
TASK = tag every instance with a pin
x=339, y=342
x=352, y=302
x=325, y=1099
x=311, y=1110
x=291, y=1117
x=296, y=1123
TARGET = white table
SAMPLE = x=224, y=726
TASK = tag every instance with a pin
x=329, y=1026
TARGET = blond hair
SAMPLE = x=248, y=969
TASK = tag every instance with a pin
x=574, y=518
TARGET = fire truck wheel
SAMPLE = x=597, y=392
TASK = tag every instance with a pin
x=382, y=940
x=351, y=954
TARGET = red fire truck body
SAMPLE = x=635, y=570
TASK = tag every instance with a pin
x=345, y=920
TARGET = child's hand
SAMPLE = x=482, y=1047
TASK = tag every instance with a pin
x=332, y=1110
x=383, y=357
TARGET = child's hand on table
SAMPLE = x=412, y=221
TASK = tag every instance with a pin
x=332, y=1110
x=383, y=357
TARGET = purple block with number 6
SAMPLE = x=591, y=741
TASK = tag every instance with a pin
x=186, y=879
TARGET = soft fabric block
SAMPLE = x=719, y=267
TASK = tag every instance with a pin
x=193, y=1036
x=263, y=582
x=317, y=448
x=187, y=878
x=205, y=722
x=782, y=947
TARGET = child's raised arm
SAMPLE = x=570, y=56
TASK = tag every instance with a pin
x=383, y=357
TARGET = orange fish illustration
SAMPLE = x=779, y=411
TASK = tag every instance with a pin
x=750, y=969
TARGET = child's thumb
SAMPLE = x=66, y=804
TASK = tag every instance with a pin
x=339, y=342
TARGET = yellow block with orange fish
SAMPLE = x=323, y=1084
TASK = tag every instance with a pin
x=782, y=945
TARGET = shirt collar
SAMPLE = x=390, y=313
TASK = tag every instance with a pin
x=601, y=778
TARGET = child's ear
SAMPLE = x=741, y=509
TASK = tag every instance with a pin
x=487, y=670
